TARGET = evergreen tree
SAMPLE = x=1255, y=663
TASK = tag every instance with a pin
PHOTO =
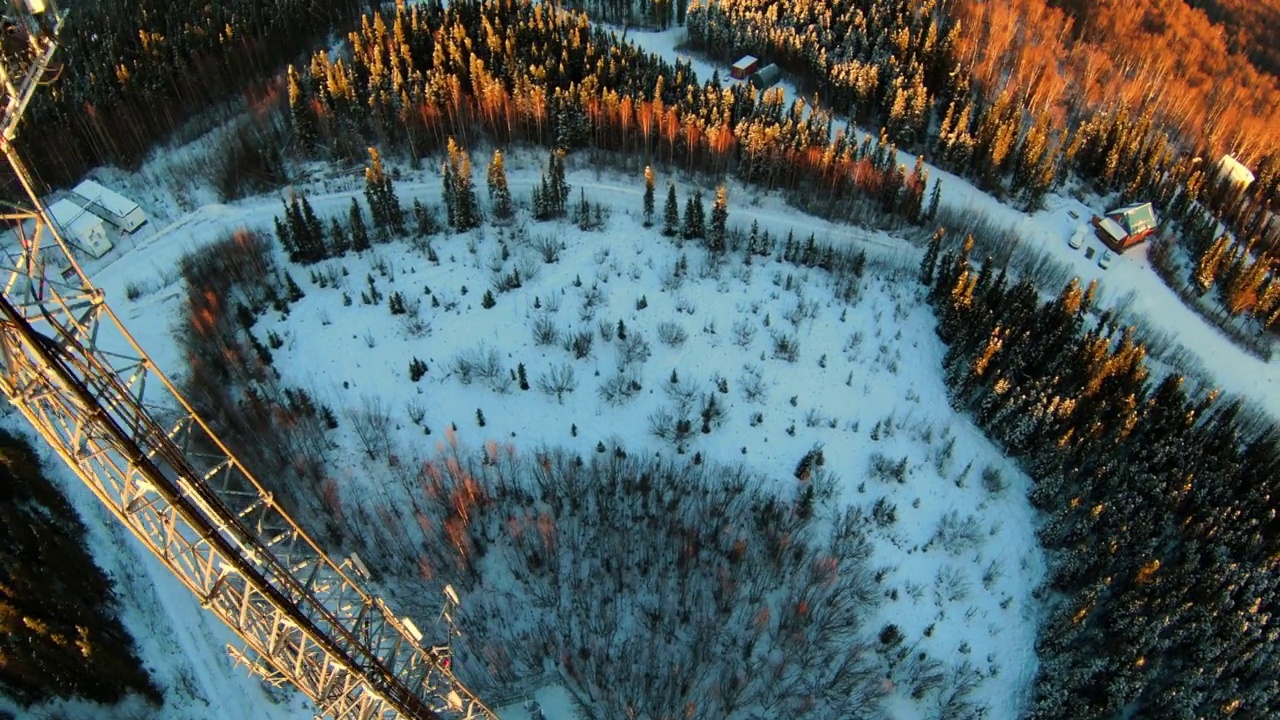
x=930, y=260
x=695, y=225
x=424, y=219
x=359, y=232
x=1210, y=262
x=935, y=198
x=286, y=236
x=648, y=196
x=339, y=243
x=499, y=195
x=58, y=633
x=671, y=212
x=719, y=218
x=384, y=206
x=315, y=231
x=449, y=193
x=300, y=117
x=460, y=194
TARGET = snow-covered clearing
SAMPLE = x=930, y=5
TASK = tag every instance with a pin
x=865, y=384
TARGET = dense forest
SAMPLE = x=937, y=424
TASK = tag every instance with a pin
x=526, y=72
x=58, y=633
x=1024, y=120
x=138, y=70
x=1157, y=498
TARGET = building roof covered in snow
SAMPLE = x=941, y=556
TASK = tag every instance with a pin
x=106, y=198
x=1234, y=171
x=1112, y=228
x=74, y=219
x=1135, y=219
x=747, y=63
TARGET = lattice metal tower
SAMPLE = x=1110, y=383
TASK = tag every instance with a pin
x=75, y=372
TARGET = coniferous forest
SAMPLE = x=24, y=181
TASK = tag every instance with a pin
x=58, y=634
x=1157, y=499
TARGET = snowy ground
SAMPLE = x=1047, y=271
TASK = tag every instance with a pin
x=865, y=384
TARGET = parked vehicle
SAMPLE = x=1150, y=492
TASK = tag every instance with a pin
x=1077, y=238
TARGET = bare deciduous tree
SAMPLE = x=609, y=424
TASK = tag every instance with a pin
x=558, y=380
x=372, y=423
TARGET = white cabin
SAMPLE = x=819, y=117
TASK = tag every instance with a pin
x=109, y=205
x=1234, y=172
x=81, y=228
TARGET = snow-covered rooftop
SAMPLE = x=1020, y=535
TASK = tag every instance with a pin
x=1234, y=171
x=1112, y=228
x=1135, y=218
x=108, y=199
x=73, y=218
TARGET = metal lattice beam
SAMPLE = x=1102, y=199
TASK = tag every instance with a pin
x=304, y=618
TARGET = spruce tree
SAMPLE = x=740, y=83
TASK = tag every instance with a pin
x=359, y=232
x=449, y=193
x=559, y=185
x=935, y=197
x=719, y=218
x=286, y=236
x=499, y=195
x=648, y=196
x=315, y=231
x=339, y=243
x=695, y=225
x=300, y=116
x=466, y=208
x=671, y=212
x=930, y=260
x=384, y=206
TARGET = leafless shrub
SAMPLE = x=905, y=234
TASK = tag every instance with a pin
x=957, y=535
x=545, y=331
x=743, y=333
x=416, y=409
x=558, y=380
x=786, y=347
x=666, y=425
x=633, y=351
x=751, y=383
x=483, y=364
x=619, y=388
x=671, y=333
x=579, y=344
x=951, y=585
x=548, y=247
x=993, y=480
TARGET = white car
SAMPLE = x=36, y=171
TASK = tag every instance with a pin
x=1077, y=238
x=1105, y=261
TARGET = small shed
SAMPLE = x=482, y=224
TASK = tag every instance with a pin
x=1124, y=227
x=81, y=228
x=120, y=211
x=744, y=67
x=1234, y=172
x=766, y=77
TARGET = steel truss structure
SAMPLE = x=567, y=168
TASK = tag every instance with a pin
x=78, y=376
